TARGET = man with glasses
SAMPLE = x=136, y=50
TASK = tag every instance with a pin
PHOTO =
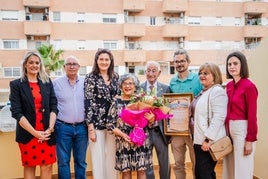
x=183, y=82
x=71, y=129
x=156, y=132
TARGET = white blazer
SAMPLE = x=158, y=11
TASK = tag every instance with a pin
x=216, y=100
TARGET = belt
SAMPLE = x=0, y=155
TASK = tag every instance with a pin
x=156, y=128
x=71, y=124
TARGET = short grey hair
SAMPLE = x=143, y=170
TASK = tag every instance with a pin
x=153, y=63
x=181, y=51
x=71, y=57
x=126, y=76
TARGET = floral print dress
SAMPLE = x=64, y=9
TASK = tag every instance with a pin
x=98, y=98
x=129, y=157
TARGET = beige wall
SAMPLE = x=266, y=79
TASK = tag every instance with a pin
x=10, y=163
x=258, y=70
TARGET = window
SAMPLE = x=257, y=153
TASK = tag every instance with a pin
x=11, y=44
x=218, y=45
x=164, y=66
x=131, y=45
x=10, y=15
x=131, y=69
x=218, y=20
x=194, y=69
x=38, y=44
x=58, y=73
x=81, y=45
x=152, y=20
x=83, y=70
x=112, y=45
x=12, y=72
x=237, y=21
x=194, y=20
x=57, y=44
x=236, y=45
x=56, y=17
x=81, y=17
x=194, y=45
x=109, y=18
x=172, y=70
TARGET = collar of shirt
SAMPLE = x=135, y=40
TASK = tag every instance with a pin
x=148, y=89
x=189, y=77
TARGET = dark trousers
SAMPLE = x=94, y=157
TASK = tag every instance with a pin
x=161, y=149
x=205, y=166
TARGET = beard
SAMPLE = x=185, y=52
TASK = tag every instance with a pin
x=181, y=69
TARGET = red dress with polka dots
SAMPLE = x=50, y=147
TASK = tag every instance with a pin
x=37, y=153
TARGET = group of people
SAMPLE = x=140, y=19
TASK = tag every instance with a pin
x=62, y=117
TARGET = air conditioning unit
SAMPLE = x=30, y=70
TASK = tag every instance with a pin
x=30, y=37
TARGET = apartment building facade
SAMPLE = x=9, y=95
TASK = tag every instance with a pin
x=135, y=31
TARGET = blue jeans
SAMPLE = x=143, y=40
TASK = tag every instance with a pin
x=68, y=138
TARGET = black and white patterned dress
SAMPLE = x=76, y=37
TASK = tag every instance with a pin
x=129, y=157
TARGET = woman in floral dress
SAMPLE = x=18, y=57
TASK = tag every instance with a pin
x=129, y=157
x=100, y=89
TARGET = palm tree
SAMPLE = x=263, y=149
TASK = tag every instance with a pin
x=52, y=58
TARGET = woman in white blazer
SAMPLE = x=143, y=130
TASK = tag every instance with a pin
x=209, y=111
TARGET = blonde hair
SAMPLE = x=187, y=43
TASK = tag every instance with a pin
x=214, y=70
x=42, y=75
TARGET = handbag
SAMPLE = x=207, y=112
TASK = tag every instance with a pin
x=221, y=148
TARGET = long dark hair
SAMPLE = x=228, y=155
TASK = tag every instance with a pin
x=96, y=70
x=244, y=72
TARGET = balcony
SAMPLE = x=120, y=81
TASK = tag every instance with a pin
x=174, y=6
x=255, y=7
x=134, y=30
x=36, y=3
x=134, y=56
x=175, y=30
x=255, y=31
x=37, y=28
x=134, y=5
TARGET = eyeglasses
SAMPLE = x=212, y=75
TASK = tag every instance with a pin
x=180, y=61
x=128, y=84
x=203, y=73
x=72, y=64
x=151, y=71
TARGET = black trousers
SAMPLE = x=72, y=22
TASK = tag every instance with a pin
x=205, y=165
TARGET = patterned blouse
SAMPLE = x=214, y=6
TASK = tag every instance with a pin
x=98, y=98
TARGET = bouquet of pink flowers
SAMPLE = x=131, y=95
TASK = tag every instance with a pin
x=134, y=114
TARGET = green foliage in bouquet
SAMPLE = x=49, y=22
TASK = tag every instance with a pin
x=148, y=98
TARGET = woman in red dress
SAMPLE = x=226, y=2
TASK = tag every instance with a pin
x=34, y=106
